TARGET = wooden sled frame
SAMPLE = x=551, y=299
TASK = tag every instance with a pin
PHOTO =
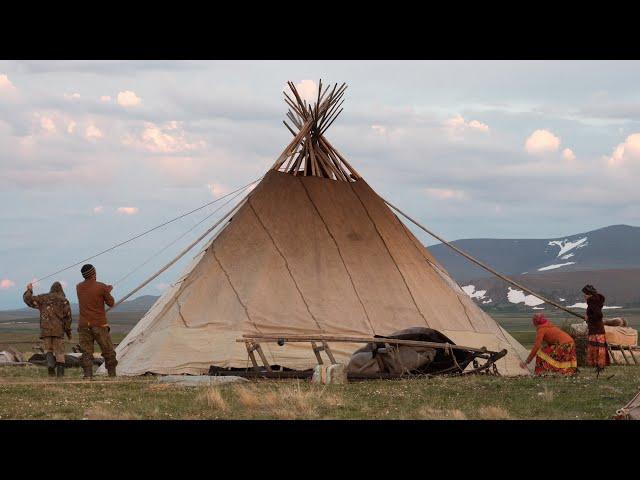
x=632, y=350
x=320, y=343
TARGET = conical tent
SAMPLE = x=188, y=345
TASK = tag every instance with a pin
x=311, y=250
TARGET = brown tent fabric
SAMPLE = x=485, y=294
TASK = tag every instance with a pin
x=305, y=255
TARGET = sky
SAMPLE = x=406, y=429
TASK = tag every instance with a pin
x=94, y=152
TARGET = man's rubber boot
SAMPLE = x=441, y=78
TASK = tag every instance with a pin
x=59, y=370
x=51, y=363
x=111, y=371
x=88, y=372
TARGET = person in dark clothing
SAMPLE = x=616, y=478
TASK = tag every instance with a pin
x=597, y=351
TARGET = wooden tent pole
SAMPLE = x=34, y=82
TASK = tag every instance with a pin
x=482, y=265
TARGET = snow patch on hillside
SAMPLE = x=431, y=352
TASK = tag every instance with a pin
x=518, y=296
x=566, y=245
x=471, y=291
x=584, y=305
x=553, y=267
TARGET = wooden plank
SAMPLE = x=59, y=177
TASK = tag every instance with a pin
x=263, y=357
x=329, y=353
x=316, y=351
x=329, y=338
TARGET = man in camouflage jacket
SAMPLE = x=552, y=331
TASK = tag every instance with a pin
x=55, y=321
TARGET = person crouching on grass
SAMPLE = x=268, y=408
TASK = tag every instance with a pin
x=55, y=321
x=597, y=351
x=559, y=354
x=92, y=325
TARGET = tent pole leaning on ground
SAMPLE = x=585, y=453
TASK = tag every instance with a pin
x=482, y=265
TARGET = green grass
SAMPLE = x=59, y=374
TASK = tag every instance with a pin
x=27, y=393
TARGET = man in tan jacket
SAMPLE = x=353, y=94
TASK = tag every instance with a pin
x=92, y=324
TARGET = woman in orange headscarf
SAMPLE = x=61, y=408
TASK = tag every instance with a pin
x=559, y=354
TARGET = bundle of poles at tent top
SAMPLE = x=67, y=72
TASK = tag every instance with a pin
x=310, y=153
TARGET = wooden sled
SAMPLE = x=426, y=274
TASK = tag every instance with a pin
x=630, y=354
x=481, y=359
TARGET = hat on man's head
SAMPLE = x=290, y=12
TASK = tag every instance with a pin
x=88, y=270
x=589, y=290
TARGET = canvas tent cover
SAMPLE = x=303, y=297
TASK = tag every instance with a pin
x=305, y=255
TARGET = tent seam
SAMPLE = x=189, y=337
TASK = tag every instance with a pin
x=353, y=285
x=404, y=280
x=287, y=266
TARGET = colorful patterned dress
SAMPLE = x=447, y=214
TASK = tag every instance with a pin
x=558, y=356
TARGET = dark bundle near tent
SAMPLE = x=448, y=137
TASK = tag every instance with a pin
x=402, y=359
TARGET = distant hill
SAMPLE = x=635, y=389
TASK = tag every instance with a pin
x=138, y=305
x=613, y=247
x=559, y=267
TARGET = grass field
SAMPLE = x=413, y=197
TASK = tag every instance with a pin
x=27, y=392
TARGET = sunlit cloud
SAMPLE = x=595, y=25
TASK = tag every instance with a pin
x=6, y=284
x=93, y=132
x=568, y=154
x=542, y=141
x=128, y=99
x=128, y=210
x=625, y=152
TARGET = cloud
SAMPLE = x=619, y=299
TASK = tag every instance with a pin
x=71, y=96
x=445, y=193
x=6, y=284
x=308, y=90
x=568, y=154
x=93, y=132
x=128, y=210
x=128, y=99
x=71, y=126
x=458, y=124
x=162, y=286
x=47, y=124
x=625, y=152
x=542, y=141
x=105, y=98
x=379, y=129
x=167, y=138
x=98, y=209
x=6, y=87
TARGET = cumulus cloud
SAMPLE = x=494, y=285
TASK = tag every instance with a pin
x=542, y=141
x=307, y=89
x=128, y=210
x=6, y=284
x=47, y=124
x=458, y=123
x=98, y=209
x=105, y=98
x=445, y=193
x=71, y=127
x=568, y=154
x=71, y=96
x=626, y=152
x=93, y=132
x=128, y=99
x=379, y=129
x=6, y=87
x=167, y=138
